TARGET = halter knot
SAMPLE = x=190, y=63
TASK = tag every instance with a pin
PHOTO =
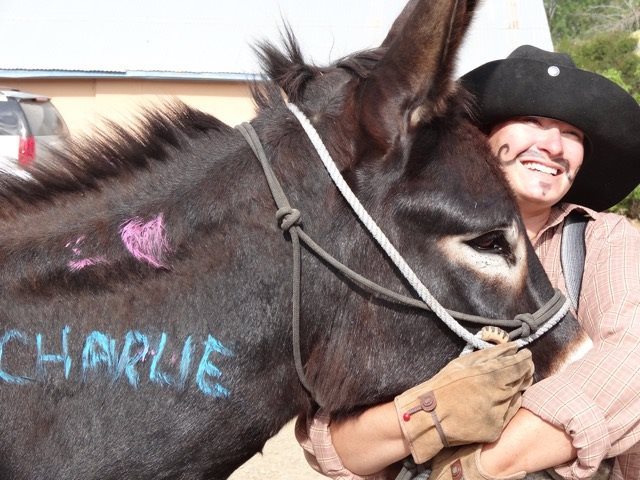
x=528, y=323
x=287, y=217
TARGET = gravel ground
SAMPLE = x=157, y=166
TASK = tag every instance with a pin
x=282, y=459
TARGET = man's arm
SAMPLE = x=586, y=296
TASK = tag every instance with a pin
x=519, y=447
x=438, y=412
x=371, y=441
x=426, y=418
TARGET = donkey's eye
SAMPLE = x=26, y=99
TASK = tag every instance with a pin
x=492, y=242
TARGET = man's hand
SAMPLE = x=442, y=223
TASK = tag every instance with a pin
x=464, y=464
x=468, y=401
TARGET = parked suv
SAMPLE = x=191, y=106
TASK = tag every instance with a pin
x=29, y=124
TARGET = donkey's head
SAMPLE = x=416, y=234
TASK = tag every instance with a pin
x=397, y=125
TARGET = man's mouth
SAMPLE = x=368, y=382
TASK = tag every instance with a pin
x=538, y=167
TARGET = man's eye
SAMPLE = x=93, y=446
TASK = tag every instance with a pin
x=574, y=134
x=532, y=120
x=492, y=242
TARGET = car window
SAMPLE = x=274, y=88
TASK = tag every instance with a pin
x=9, y=119
x=43, y=118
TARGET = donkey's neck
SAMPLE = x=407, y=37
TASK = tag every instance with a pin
x=130, y=215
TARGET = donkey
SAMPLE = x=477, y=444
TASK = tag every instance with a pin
x=145, y=289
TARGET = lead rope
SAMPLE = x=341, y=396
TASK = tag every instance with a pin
x=471, y=340
x=288, y=219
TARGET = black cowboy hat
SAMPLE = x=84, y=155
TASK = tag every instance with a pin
x=532, y=81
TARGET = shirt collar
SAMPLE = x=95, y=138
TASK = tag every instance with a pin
x=560, y=211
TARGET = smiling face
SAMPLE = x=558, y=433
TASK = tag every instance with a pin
x=540, y=157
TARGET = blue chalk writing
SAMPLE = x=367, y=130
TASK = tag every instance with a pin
x=185, y=362
x=127, y=363
x=6, y=338
x=42, y=358
x=99, y=349
x=155, y=375
x=99, y=358
x=208, y=369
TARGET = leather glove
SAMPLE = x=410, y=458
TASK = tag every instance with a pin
x=468, y=401
x=464, y=464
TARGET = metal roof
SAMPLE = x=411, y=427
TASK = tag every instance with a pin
x=207, y=39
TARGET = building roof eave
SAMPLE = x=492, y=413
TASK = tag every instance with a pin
x=132, y=74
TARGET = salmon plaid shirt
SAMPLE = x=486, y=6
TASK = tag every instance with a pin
x=596, y=399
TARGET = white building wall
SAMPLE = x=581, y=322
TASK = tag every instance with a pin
x=502, y=25
x=103, y=59
x=213, y=38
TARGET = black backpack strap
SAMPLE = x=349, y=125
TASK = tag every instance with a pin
x=411, y=471
x=572, y=254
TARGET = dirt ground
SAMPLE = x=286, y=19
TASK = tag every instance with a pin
x=282, y=459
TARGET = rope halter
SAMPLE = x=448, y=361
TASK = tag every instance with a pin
x=527, y=327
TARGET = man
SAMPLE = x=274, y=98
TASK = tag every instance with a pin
x=568, y=140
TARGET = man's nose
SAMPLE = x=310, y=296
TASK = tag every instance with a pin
x=551, y=142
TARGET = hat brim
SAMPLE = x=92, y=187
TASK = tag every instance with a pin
x=606, y=113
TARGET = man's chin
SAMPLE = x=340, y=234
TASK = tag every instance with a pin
x=546, y=200
x=544, y=194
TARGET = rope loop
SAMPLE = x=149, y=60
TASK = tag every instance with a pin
x=287, y=217
x=528, y=325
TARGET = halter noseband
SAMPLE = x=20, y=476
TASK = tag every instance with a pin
x=525, y=327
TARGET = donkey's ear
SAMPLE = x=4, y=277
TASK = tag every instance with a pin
x=413, y=80
x=398, y=25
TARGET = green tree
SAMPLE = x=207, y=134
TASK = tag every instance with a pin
x=612, y=54
x=599, y=36
x=567, y=18
x=579, y=18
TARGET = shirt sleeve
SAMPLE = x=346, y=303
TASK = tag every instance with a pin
x=314, y=436
x=596, y=399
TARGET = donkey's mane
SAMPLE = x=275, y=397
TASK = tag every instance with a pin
x=116, y=149
x=110, y=151
x=287, y=68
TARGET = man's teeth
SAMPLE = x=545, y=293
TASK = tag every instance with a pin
x=540, y=168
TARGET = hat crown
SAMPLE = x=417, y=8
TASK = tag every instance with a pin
x=530, y=52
